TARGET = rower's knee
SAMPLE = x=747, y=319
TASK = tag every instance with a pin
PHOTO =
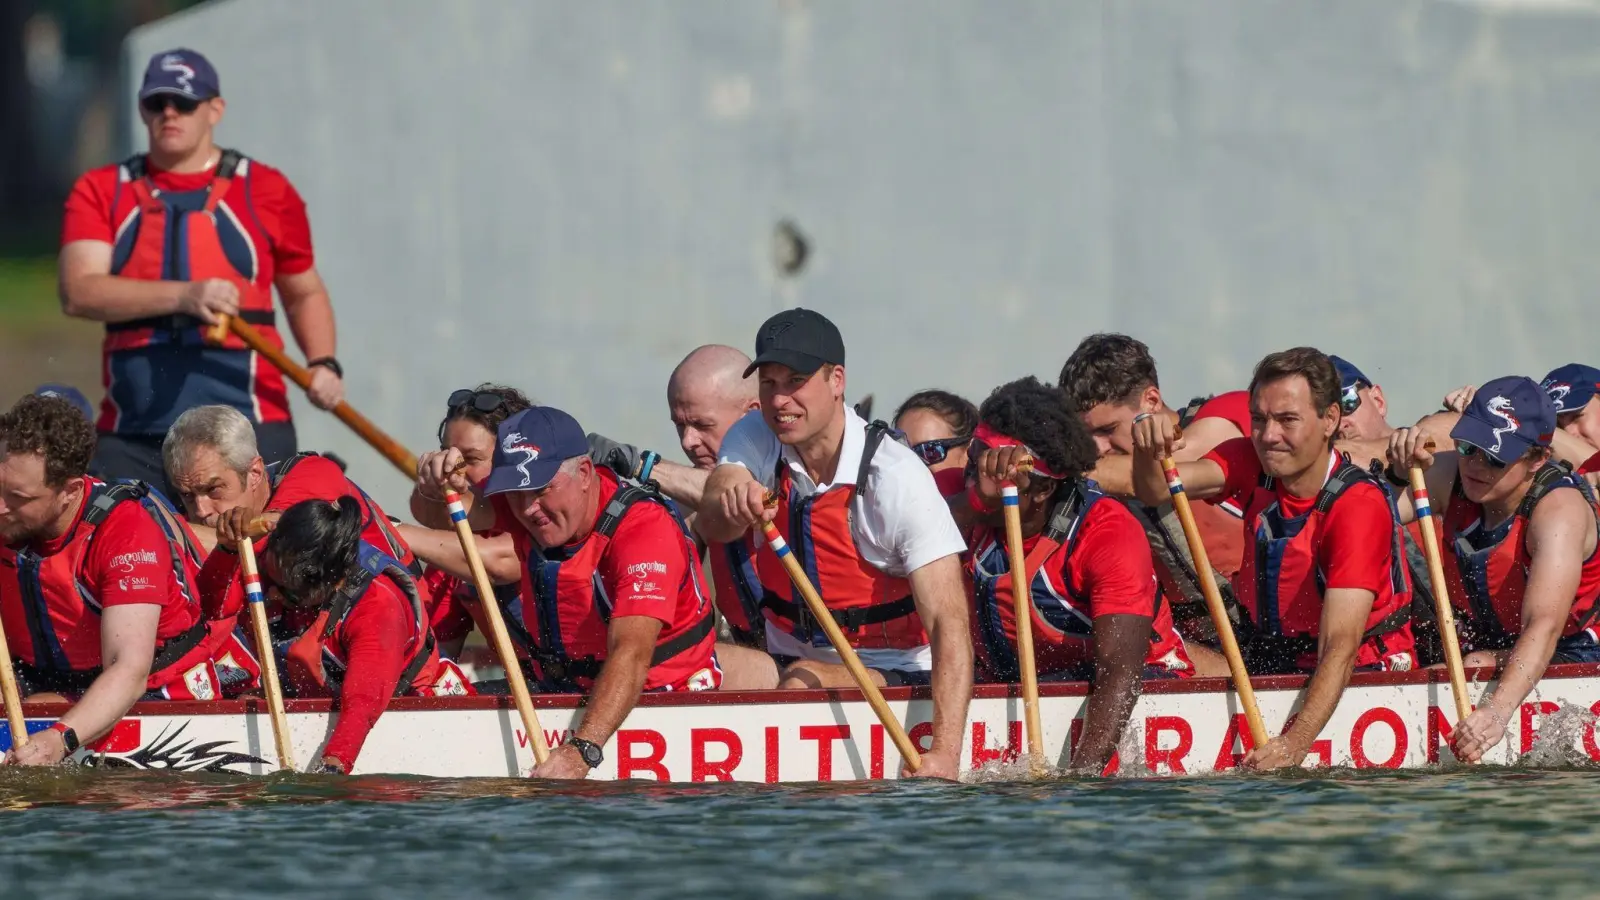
x=806, y=674
x=800, y=676
x=1480, y=659
x=46, y=697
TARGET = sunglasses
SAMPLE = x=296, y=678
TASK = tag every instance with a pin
x=934, y=452
x=1350, y=400
x=1473, y=451
x=157, y=104
x=482, y=401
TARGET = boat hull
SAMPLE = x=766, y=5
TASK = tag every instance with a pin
x=1384, y=721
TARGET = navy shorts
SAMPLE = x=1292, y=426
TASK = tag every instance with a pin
x=1577, y=648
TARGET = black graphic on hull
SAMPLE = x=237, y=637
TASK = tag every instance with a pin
x=168, y=753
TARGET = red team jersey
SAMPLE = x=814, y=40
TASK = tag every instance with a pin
x=258, y=230
x=646, y=568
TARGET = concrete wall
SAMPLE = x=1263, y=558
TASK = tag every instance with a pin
x=571, y=196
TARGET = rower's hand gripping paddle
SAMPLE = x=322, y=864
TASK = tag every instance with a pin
x=1022, y=602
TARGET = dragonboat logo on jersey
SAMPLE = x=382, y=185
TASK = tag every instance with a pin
x=1558, y=391
x=516, y=443
x=174, y=63
x=127, y=561
x=1501, y=408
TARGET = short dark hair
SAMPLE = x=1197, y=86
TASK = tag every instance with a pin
x=1037, y=414
x=1107, y=368
x=1309, y=363
x=512, y=401
x=54, y=429
x=956, y=410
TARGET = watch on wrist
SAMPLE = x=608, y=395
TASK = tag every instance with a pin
x=647, y=464
x=69, y=738
x=589, y=750
x=327, y=362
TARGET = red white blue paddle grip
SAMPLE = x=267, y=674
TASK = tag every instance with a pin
x=775, y=540
x=452, y=501
x=1008, y=494
x=252, y=587
x=1174, y=483
x=1419, y=499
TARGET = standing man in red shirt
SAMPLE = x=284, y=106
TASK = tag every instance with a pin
x=611, y=594
x=1323, y=584
x=159, y=246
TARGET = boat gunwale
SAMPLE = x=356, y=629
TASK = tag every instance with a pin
x=747, y=698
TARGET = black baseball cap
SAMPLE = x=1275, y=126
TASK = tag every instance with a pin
x=802, y=339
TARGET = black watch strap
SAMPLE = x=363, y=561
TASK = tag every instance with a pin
x=589, y=750
x=327, y=362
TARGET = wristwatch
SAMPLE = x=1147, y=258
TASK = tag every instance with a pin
x=327, y=362
x=589, y=750
x=69, y=738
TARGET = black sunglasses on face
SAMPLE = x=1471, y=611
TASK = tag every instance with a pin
x=1350, y=400
x=157, y=104
x=934, y=452
x=1470, y=451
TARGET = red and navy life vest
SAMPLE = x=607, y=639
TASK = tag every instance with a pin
x=1063, y=626
x=873, y=609
x=314, y=660
x=1280, y=585
x=568, y=578
x=738, y=590
x=372, y=517
x=1487, y=570
x=157, y=367
x=60, y=609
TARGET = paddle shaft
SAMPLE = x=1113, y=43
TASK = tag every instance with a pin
x=846, y=652
x=269, y=660
x=1023, y=604
x=1219, y=613
x=1442, y=612
x=13, y=696
x=390, y=449
x=497, y=628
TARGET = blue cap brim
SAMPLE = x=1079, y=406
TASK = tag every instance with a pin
x=505, y=479
x=1481, y=435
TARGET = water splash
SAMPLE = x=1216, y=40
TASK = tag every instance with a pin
x=1559, y=740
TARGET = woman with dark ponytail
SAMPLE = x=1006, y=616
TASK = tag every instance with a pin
x=370, y=640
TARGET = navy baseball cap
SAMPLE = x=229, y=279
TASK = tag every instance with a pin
x=70, y=394
x=801, y=339
x=529, y=448
x=182, y=72
x=1571, y=386
x=1506, y=418
x=1350, y=377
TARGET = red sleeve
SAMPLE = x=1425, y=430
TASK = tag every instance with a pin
x=221, y=592
x=645, y=565
x=1590, y=465
x=951, y=482
x=88, y=211
x=291, y=239
x=1355, y=550
x=1112, y=562
x=447, y=615
x=312, y=478
x=1241, y=468
x=131, y=561
x=375, y=638
x=504, y=521
x=1233, y=406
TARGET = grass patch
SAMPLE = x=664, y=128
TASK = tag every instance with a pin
x=28, y=293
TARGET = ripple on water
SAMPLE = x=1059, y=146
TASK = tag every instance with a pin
x=1467, y=831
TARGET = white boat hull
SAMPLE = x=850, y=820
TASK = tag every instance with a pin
x=1383, y=721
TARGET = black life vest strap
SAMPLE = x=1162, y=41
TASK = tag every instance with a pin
x=1544, y=481
x=859, y=617
x=1187, y=414
x=262, y=318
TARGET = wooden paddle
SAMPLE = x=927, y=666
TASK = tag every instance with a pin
x=13, y=696
x=1219, y=613
x=1022, y=601
x=497, y=628
x=847, y=653
x=390, y=448
x=269, y=661
x=1442, y=612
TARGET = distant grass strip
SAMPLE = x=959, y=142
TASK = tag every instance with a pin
x=28, y=293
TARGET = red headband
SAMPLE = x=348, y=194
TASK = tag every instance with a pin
x=994, y=438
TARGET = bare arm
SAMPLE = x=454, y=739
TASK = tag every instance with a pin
x=629, y=645
x=442, y=550
x=128, y=647
x=310, y=313
x=942, y=606
x=1120, y=642
x=1560, y=527
x=437, y=472
x=1201, y=479
x=1203, y=435
x=724, y=513
x=1408, y=447
x=89, y=290
x=1344, y=620
x=682, y=483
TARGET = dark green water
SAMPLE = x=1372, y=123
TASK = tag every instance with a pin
x=1491, y=833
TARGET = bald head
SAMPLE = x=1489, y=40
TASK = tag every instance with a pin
x=707, y=393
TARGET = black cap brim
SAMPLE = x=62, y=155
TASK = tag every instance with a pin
x=804, y=363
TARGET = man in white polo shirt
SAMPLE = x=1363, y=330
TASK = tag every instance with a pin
x=864, y=518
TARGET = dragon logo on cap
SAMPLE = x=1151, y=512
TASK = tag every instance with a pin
x=174, y=63
x=516, y=443
x=1558, y=391
x=1501, y=408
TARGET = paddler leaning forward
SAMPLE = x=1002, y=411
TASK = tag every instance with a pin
x=864, y=517
x=1323, y=583
x=1097, y=611
x=610, y=594
x=1520, y=559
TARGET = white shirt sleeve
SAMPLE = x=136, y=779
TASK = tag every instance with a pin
x=907, y=521
x=750, y=443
